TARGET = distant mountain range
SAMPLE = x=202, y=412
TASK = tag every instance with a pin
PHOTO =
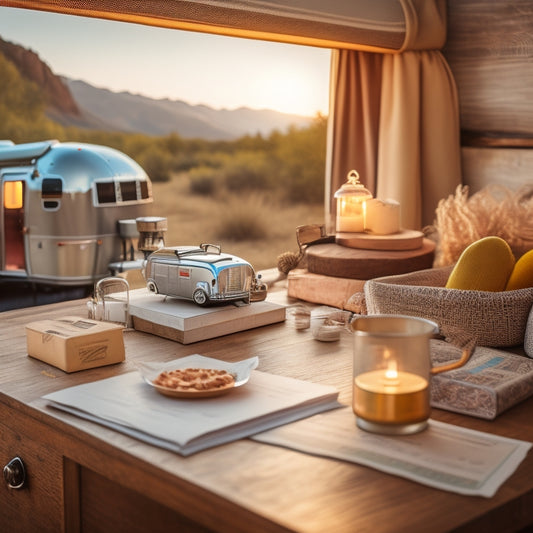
x=77, y=103
x=135, y=113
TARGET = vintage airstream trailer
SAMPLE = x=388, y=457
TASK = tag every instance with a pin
x=200, y=273
x=60, y=208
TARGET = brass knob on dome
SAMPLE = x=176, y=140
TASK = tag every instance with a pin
x=15, y=473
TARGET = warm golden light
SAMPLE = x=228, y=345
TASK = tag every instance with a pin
x=391, y=374
x=13, y=195
x=351, y=199
x=390, y=396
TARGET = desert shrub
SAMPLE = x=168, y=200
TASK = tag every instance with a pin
x=248, y=171
x=156, y=162
x=183, y=162
x=302, y=156
x=173, y=143
x=243, y=218
x=203, y=181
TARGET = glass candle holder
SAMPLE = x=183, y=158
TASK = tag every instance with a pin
x=391, y=373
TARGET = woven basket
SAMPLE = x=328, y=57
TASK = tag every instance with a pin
x=494, y=319
x=528, y=339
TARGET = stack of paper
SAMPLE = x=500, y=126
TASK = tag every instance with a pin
x=128, y=404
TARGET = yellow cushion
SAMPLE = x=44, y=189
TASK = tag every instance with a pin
x=485, y=265
x=522, y=274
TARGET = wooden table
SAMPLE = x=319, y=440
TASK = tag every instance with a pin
x=84, y=477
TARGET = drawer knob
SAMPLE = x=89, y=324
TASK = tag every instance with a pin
x=14, y=473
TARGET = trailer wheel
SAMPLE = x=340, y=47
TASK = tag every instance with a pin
x=200, y=297
x=152, y=287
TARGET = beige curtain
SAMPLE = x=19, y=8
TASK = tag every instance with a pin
x=395, y=119
x=354, y=143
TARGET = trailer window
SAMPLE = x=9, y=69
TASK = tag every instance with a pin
x=106, y=192
x=145, y=190
x=128, y=191
x=52, y=188
x=119, y=192
x=51, y=192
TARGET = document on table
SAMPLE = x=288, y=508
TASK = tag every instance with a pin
x=443, y=456
x=128, y=404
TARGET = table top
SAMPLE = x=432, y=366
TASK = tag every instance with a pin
x=247, y=484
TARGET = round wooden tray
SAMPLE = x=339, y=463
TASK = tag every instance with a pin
x=405, y=239
x=354, y=263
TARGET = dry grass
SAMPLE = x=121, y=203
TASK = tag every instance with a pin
x=195, y=219
x=494, y=210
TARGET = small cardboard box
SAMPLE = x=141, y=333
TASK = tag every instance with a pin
x=73, y=343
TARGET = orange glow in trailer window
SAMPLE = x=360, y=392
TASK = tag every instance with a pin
x=13, y=195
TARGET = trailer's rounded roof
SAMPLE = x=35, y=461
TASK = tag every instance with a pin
x=88, y=162
x=16, y=153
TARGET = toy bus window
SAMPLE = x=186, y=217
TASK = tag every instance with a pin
x=145, y=192
x=128, y=191
x=106, y=192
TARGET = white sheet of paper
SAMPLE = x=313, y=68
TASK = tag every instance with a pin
x=443, y=456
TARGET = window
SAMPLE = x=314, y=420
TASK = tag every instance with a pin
x=13, y=194
x=121, y=192
x=51, y=192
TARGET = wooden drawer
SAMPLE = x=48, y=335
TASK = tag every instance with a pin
x=107, y=506
x=38, y=504
x=61, y=495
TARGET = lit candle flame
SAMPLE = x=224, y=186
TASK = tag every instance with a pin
x=392, y=368
x=391, y=372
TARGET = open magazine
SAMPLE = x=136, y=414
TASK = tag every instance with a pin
x=128, y=404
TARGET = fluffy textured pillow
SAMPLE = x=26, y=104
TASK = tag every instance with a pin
x=485, y=265
x=522, y=274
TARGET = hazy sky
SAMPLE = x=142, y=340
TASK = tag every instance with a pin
x=222, y=72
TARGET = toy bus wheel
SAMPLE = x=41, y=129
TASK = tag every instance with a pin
x=199, y=297
x=152, y=287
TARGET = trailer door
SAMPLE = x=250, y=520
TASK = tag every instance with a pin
x=13, y=195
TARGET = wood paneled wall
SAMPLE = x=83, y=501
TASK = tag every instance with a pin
x=490, y=51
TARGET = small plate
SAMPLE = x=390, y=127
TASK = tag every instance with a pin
x=241, y=371
x=192, y=393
